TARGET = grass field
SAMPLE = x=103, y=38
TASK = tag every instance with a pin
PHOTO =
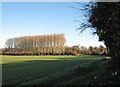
x=19, y=59
x=54, y=70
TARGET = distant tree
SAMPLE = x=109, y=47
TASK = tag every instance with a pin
x=90, y=50
x=76, y=50
x=9, y=44
x=83, y=50
x=102, y=50
x=37, y=45
x=68, y=51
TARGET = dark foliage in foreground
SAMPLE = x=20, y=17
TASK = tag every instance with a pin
x=104, y=19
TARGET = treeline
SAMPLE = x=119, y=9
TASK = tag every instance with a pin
x=53, y=44
x=35, y=45
x=82, y=50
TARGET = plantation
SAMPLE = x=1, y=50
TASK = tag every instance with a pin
x=56, y=70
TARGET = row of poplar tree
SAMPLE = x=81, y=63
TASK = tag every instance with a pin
x=53, y=44
x=39, y=44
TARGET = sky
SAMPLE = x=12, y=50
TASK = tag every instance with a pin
x=38, y=18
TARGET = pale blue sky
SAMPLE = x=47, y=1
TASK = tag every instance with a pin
x=38, y=18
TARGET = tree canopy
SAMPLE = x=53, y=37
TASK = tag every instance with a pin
x=104, y=19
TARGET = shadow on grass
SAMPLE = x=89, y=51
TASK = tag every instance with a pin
x=18, y=73
x=56, y=72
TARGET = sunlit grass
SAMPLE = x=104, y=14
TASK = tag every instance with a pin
x=14, y=59
x=17, y=59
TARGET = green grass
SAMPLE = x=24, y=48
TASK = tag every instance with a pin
x=54, y=70
x=17, y=59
